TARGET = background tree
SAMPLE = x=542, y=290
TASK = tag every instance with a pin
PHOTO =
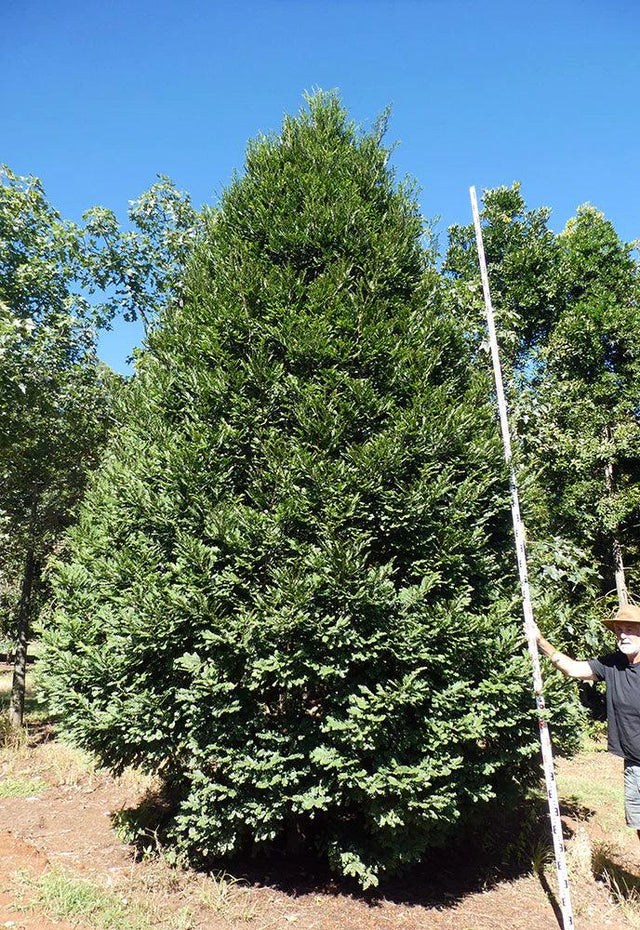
x=523, y=261
x=142, y=268
x=584, y=425
x=54, y=401
x=59, y=281
x=54, y=413
x=289, y=590
x=568, y=311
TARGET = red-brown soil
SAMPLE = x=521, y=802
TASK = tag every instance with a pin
x=69, y=826
x=16, y=855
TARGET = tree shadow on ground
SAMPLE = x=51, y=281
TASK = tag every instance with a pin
x=570, y=808
x=513, y=842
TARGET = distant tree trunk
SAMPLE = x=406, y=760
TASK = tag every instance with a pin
x=18, y=686
x=621, y=584
x=618, y=566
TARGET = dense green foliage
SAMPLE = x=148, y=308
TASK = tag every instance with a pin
x=54, y=393
x=569, y=327
x=58, y=282
x=291, y=587
x=585, y=404
x=523, y=265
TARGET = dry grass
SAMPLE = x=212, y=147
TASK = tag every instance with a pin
x=48, y=761
x=622, y=886
x=54, y=763
x=224, y=894
x=599, y=893
x=156, y=877
x=58, y=765
x=63, y=896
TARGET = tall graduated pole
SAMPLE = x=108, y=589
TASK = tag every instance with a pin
x=529, y=626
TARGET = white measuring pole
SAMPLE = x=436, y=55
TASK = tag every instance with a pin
x=529, y=626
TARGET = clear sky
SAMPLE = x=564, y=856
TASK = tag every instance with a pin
x=98, y=97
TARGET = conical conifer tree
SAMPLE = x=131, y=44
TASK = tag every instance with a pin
x=289, y=590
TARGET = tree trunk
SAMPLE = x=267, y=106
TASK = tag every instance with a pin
x=618, y=566
x=18, y=686
x=621, y=584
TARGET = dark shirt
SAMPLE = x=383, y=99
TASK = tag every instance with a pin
x=623, y=703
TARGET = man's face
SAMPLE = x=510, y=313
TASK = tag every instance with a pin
x=628, y=636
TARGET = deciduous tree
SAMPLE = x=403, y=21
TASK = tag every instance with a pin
x=137, y=271
x=569, y=327
x=584, y=419
x=54, y=402
x=59, y=282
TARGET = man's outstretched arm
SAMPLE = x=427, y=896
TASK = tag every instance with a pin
x=572, y=668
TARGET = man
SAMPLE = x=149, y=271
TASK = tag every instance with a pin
x=621, y=672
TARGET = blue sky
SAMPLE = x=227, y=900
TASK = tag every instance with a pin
x=99, y=97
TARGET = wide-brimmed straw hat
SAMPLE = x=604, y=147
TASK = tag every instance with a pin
x=628, y=613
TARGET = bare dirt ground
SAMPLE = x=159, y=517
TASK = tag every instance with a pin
x=59, y=823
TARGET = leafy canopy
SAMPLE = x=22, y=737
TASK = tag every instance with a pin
x=54, y=394
x=289, y=592
x=567, y=308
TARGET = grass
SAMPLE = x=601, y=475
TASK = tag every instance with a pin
x=63, y=896
x=583, y=789
x=25, y=761
x=21, y=787
x=215, y=894
x=623, y=887
x=595, y=787
x=46, y=763
x=223, y=894
x=541, y=856
x=219, y=892
x=58, y=765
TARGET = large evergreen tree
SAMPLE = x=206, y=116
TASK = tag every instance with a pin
x=290, y=587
